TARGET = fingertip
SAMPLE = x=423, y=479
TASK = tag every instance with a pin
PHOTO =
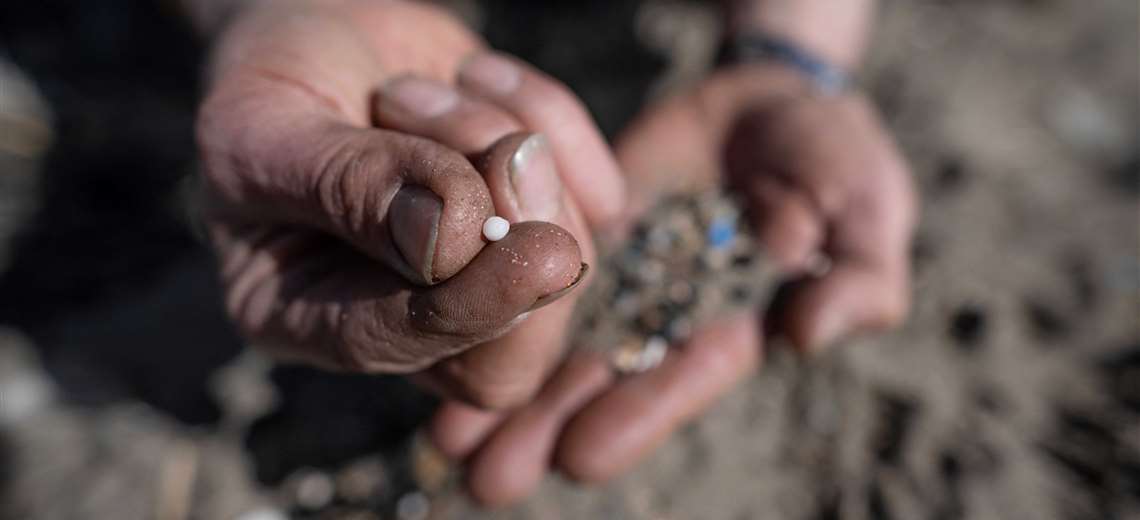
x=456, y=429
x=513, y=462
x=408, y=96
x=495, y=481
x=847, y=300
x=534, y=264
x=523, y=178
x=624, y=425
x=493, y=494
x=555, y=260
x=466, y=205
x=787, y=223
x=583, y=464
x=489, y=72
x=812, y=327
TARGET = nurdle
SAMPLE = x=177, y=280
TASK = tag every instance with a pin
x=495, y=228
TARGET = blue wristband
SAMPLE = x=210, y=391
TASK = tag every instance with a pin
x=757, y=46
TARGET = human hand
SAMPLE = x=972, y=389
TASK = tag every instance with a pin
x=345, y=198
x=821, y=180
x=829, y=195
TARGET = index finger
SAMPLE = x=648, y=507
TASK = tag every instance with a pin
x=544, y=105
x=635, y=415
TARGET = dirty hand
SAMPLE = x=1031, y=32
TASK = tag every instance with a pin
x=821, y=179
x=827, y=191
x=352, y=151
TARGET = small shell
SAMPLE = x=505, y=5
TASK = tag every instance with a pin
x=495, y=228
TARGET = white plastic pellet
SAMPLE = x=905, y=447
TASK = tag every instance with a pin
x=495, y=228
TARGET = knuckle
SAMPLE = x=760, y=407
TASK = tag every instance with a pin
x=587, y=469
x=219, y=142
x=474, y=384
x=450, y=318
x=349, y=178
x=336, y=180
x=427, y=156
x=366, y=343
x=495, y=397
x=559, y=103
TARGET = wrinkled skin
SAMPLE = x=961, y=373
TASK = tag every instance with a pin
x=821, y=179
x=333, y=131
x=322, y=195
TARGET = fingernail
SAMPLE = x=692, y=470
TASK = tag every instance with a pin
x=413, y=221
x=490, y=72
x=420, y=97
x=534, y=180
x=543, y=301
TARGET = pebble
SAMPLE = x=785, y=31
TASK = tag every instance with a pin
x=430, y=468
x=413, y=506
x=634, y=357
x=495, y=228
x=679, y=330
x=24, y=388
x=312, y=489
x=264, y=513
x=362, y=481
x=22, y=396
x=681, y=292
x=654, y=353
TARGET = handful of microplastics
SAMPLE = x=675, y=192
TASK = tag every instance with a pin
x=690, y=259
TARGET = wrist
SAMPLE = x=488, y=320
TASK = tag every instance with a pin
x=761, y=47
x=835, y=32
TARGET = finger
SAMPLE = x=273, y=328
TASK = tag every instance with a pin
x=868, y=286
x=437, y=111
x=510, y=369
x=785, y=221
x=677, y=145
x=519, y=168
x=637, y=414
x=850, y=298
x=287, y=141
x=544, y=105
x=337, y=310
x=833, y=150
x=517, y=455
x=457, y=428
x=861, y=187
x=520, y=172
x=535, y=264
x=525, y=185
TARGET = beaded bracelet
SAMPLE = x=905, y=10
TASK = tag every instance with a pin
x=758, y=46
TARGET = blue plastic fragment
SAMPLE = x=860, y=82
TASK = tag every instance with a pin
x=721, y=232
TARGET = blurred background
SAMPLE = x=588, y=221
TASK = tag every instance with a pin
x=1012, y=392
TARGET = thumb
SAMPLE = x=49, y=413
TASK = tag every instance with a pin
x=272, y=152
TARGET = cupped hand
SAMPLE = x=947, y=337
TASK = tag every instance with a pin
x=348, y=176
x=829, y=196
